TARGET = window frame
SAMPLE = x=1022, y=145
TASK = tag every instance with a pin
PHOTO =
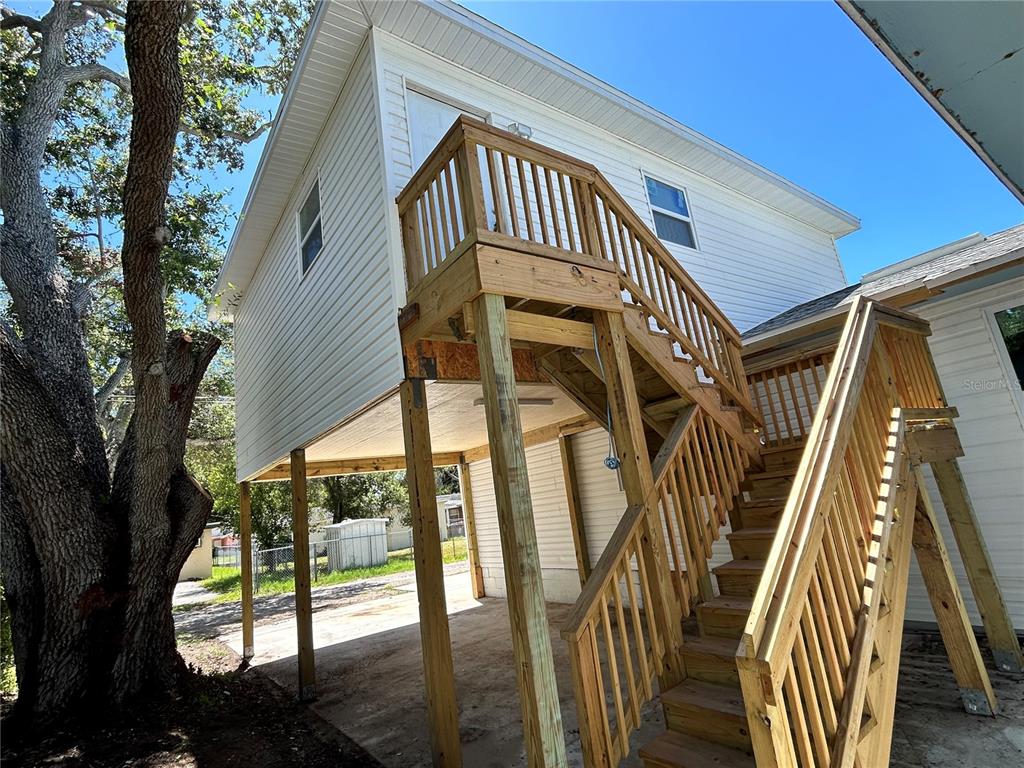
x=1009, y=374
x=652, y=209
x=300, y=240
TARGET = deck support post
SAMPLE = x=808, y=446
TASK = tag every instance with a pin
x=1002, y=638
x=476, y=573
x=438, y=668
x=303, y=596
x=245, y=553
x=637, y=479
x=572, y=498
x=531, y=639
x=950, y=611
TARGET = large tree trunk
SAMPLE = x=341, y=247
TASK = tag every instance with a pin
x=90, y=563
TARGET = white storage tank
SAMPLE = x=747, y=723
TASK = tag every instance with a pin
x=356, y=543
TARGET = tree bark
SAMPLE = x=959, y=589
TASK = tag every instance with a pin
x=90, y=561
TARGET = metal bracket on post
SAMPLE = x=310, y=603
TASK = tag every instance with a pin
x=975, y=702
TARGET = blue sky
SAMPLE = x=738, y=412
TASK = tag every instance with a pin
x=795, y=87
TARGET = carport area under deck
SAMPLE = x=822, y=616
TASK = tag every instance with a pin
x=370, y=686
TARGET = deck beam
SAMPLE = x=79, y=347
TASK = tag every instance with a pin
x=637, y=478
x=531, y=640
x=1002, y=638
x=303, y=595
x=438, y=669
x=950, y=611
x=245, y=553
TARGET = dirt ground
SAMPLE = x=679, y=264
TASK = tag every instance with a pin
x=370, y=685
x=225, y=718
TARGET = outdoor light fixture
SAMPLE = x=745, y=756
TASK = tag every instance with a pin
x=524, y=401
x=520, y=130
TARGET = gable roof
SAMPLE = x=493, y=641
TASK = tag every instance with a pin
x=336, y=33
x=930, y=270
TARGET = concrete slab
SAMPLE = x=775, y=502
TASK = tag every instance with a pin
x=370, y=685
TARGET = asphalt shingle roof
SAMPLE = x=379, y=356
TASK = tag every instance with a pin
x=990, y=248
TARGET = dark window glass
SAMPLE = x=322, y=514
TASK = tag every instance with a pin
x=669, y=198
x=674, y=230
x=1011, y=327
x=311, y=246
x=310, y=209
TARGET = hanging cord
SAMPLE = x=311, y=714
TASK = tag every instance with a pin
x=611, y=460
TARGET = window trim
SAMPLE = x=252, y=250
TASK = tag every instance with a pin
x=300, y=240
x=1009, y=374
x=652, y=209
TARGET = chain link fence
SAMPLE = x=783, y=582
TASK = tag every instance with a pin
x=366, y=553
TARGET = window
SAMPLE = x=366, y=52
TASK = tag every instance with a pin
x=671, y=213
x=311, y=239
x=1010, y=322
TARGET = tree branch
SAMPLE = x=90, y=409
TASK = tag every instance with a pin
x=95, y=71
x=124, y=364
x=104, y=8
x=211, y=135
x=13, y=20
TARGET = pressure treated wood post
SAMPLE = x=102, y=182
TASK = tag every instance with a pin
x=476, y=573
x=637, y=478
x=987, y=596
x=300, y=559
x=572, y=498
x=950, y=611
x=438, y=669
x=531, y=641
x=245, y=553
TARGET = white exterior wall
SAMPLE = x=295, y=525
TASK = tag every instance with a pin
x=309, y=350
x=992, y=432
x=753, y=260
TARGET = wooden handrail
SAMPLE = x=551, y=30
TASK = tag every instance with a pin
x=805, y=657
x=697, y=474
x=485, y=185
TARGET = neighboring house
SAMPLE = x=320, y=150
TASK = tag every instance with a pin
x=459, y=249
x=450, y=522
x=972, y=293
x=199, y=564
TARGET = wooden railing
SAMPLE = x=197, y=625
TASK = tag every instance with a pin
x=811, y=641
x=482, y=185
x=614, y=662
x=787, y=395
x=699, y=472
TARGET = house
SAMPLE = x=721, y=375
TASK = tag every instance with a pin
x=461, y=250
x=450, y=522
x=199, y=564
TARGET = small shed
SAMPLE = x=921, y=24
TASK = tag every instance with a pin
x=356, y=543
x=199, y=564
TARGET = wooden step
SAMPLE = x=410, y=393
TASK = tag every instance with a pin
x=678, y=750
x=711, y=659
x=724, y=616
x=739, y=578
x=773, y=484
x=783, y=457
x=751, y=543
x=713, y=712
x=760, y=513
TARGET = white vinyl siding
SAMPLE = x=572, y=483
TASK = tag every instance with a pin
x=753, y=260
x=993, y=439
x=309, y=352
x=551, y=520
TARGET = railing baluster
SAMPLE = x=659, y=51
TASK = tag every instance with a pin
x=538, y=192
x=521, y=172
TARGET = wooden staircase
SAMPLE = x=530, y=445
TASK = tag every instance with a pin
x=705, y=715
x=787, y=654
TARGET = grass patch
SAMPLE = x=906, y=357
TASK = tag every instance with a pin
x=227, y=582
